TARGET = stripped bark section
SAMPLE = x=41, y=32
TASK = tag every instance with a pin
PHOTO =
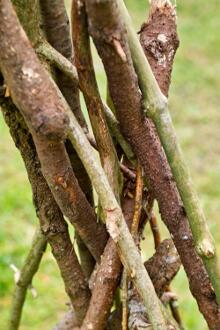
x=105, y=26
x=159, y=39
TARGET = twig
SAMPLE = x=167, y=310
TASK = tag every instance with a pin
x=156, y=105
x=29, y=269
x=134, y=233
x=56, y=58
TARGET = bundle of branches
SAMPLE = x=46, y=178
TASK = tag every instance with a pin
x=43, y=72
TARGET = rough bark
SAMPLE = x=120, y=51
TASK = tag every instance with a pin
x=51, y=219
x=162, y=268
x=156, y=107
x=37, y=98
x=56, y=27
x=89, y=87
x=107, y=279
x=159, y=39
x=109, y=36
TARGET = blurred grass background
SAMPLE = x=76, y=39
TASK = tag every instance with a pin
x=194, y=104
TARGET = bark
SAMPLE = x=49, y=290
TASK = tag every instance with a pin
x=56, y=27
x=109, y=35
x=160, y=271
x=89, y=87
x=51, y=219
x=162, y=268
x=159, y=39
x=37, y=98
x=107, y=279
x=156, y=107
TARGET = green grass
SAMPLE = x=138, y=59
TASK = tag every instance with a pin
x=194, y=104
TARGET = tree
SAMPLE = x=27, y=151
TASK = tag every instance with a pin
x=141, y=161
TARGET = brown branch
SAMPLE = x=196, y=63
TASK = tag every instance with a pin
x=107, y=279
x=37, y=98
x=162, y=268
x=89, y=87
x=140, y=133
x=134, y=233
x=56, y=26
x=51, y=219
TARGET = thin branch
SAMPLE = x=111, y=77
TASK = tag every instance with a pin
x=134, y=233
x=89, y=87
x=53, y=56
x=57, y=59
x=29, y=269
x=156, y=105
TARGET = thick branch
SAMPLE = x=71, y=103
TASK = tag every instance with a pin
x=26, y=275
x=116, y=225
x=56, y=27
x=51, y=219
x=106, y=26
x=156, y=105
x=36, y=96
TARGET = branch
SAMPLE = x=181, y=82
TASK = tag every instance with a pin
x=157, y=110
x=58, y=60
x=134, y=233
x=36, y=96
x=54, y=57
x=140, y=132
x=162, y=268
x=51, y=219
x=116, y=225
x=29, y=269
x=107, y=278
x=89, y=87
x=57, y=30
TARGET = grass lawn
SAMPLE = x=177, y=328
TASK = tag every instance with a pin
x=194, y=104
